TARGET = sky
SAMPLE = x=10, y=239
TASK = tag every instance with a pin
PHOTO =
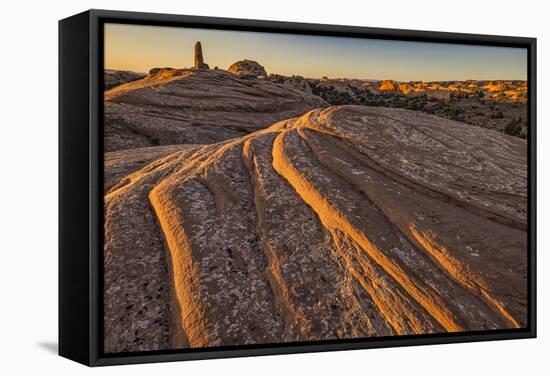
x=139, y=48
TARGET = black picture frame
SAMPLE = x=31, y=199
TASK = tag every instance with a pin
x=81, y=192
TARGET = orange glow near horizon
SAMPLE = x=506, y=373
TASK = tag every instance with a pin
x=140, y=48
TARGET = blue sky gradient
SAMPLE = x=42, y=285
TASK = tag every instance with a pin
x=140, y=48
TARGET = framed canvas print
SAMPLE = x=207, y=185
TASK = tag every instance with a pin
x=238, y=187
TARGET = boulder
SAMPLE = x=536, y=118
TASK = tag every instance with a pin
x=247, y=68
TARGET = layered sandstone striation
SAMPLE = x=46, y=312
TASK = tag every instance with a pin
x=344, y=222
x=191, y=106
x=112, y=77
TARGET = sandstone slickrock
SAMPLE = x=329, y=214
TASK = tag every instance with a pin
x=114, y=78
x=247, y=68
x=345, y=222
x=177, y=106
x=122, y=163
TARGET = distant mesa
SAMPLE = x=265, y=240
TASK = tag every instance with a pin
x=199, y=60
x=247, y=68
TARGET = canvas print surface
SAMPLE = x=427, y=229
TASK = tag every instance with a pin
x=266, y=188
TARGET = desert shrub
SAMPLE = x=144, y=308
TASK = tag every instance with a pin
x=457, y=114
x=276, y=78
x=345, y=98
x=355, y=90
x=414, y=105
x=513, y=128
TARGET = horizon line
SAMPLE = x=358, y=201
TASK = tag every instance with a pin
x=336, y=78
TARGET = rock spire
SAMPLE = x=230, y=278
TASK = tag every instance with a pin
x=199, y=61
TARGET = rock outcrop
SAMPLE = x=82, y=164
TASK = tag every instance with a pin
x=248, y=68
x=112, y=78
x=154, y=71
x=199, y=60
x=345, y=222
x=388, y=85
x=124, y=162
x=177, y=106
x=497, y=86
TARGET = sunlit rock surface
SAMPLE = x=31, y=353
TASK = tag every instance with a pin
x=345, y=222
x=112, y=78
x=189, y=106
